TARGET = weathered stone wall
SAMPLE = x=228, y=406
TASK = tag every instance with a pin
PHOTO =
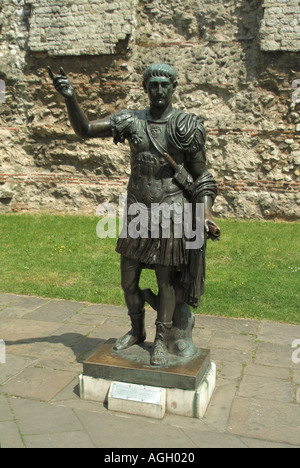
x=280, y=26
x=82, y=27
x=243, y=93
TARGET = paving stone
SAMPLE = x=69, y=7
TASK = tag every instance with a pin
x=266, y=387
x=6, y=299
x=296, y=375
x=57, y=311
x=35, y=417
x=5, y=411
x=202, y=337
x=59, y=364
x=255, y=404
x=10, y=436
x=227, y=324
x=13, y=366
x=263, y=444
x=63, y=345
x=208, y=439
x=219, y=409
x=271, y=354
x=279, y=333
x=298, y=395
x=231, y=355
x=72, y=439
x=232, y=341
x=262, y=419
x=70, y=392
x=42, y=384
x=267, y=371
x=108, y=431
x=230, y=370
x=21, y=330
x=108, y=330
x=107, y=310
x=87, y=319
x=71, y=334
x=21, y=307
x=43, y=348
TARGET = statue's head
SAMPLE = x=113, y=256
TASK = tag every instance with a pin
x=160, y=70
x=160, y=82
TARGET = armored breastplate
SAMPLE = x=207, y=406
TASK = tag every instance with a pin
x=151, y=179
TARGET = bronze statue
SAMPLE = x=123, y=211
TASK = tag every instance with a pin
x=168, y=166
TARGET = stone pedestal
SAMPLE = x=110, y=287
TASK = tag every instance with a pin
x=126, y=382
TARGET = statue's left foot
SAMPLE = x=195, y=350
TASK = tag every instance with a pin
x=160, y=355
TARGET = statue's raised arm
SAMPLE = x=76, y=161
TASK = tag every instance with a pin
x=82, y=126
x=62, y=84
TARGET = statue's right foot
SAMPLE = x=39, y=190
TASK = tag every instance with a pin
x=128, y=340
x=136, y=335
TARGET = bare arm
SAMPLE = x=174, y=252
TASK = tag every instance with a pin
x=82, y=126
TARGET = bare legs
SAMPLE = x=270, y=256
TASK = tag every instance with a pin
x=165, y=310
x=131, y=272
x=175, y=322
x=166, y=302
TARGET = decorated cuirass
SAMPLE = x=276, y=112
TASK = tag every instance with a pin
x=151, y=179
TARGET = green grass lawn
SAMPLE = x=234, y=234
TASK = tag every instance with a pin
x=253, y=272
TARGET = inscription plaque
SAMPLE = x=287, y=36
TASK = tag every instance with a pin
x=139, y=393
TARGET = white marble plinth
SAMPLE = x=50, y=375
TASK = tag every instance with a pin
x=143, y=400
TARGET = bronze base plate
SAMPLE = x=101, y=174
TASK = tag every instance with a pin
x=133, y=366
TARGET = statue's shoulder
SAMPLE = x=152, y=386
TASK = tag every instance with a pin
x=186, y=131
x=185, y=121
x=126, y=124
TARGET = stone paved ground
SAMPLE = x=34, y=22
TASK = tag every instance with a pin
x=256, y=402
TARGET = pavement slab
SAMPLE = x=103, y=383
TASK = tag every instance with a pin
x=37, y=383
x=256, y=403
x=265, y=419
x=20, y=306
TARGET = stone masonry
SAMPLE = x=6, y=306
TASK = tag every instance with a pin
x=230, y=74
x=280, y=26
x=73, y=27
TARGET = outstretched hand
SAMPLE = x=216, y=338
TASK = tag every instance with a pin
x=61, y=83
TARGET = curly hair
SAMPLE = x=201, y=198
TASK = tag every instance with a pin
x=160, y=69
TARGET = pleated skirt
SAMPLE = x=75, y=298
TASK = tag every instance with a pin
x=151, y=251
